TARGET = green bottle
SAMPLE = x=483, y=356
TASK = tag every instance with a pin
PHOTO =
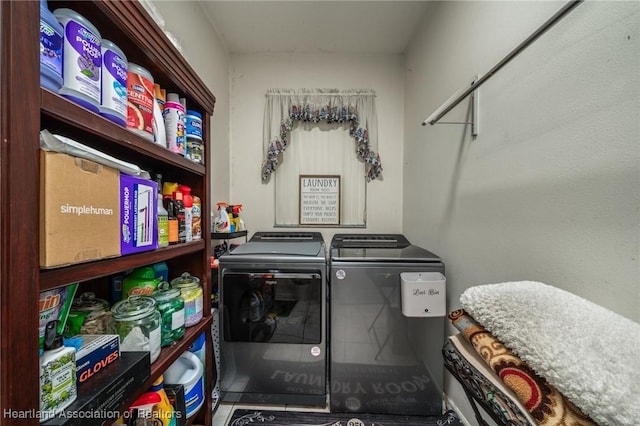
x=163, y=224
x=163, y=217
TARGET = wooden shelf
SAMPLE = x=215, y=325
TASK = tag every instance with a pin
x=169, y=354
x=28, y=109
x=52, y=278
x=72, y=119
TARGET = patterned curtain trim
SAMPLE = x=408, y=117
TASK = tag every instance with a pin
x=332, y=111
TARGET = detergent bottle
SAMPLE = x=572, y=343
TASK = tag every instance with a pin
x=154, y=406
x=222, y=221
x=235, y=217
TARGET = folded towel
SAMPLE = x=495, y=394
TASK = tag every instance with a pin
x=589, y=353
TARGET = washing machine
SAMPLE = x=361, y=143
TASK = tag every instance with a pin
x=381, y=360
x=273, y=315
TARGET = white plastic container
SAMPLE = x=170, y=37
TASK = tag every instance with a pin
x=58, y=387
x=423, y=294
x=81, y=60
x=159, y=134
x=113, y=104
x=187, y=370
x=175, y=131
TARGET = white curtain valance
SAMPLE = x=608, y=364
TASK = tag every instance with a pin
x=284, y=108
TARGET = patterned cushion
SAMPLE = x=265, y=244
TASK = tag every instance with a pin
x=545, y=404
x=483, y=383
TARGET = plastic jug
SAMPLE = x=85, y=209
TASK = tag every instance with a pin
x=142, y=281
x=187, y=370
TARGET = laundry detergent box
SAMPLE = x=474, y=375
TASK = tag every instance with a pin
x=53, y=305
x=79, y=210
x=138, y=212
x=96, y=353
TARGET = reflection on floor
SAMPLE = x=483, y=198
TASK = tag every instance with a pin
x=225, y=411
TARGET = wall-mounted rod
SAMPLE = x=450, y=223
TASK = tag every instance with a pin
x=463, y=93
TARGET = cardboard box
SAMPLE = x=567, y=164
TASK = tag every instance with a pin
x=138, y=212
x=97, y=352
x=79, y=210
x=101, y=399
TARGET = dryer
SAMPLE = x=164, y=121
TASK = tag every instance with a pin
x=273, y=320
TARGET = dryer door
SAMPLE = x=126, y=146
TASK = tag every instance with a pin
x=274, y=306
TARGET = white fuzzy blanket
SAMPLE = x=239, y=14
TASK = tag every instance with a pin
x=587, y=352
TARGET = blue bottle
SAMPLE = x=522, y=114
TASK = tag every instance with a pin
x=51, y=43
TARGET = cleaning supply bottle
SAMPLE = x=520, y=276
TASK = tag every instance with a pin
x=173, y=115
x=154, y=405
x=57, y=374
x=113, y=88
x=159, y=131
x=81, y=60
x=51, y=41
x=141, y=281
x=163, y=224
x=235, y=217
x=180, y=213
x=168, y=188
x=163, y=217
x=222, y=221
x=232, y=226
x=196, y=220
x=187, y=199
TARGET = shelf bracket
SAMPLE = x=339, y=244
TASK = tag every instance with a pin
x=473, y=88
x=474, y=95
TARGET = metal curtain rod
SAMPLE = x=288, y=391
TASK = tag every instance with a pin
x=321, y=94
x=450, y=104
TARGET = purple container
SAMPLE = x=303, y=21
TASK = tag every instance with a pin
x=138, y=214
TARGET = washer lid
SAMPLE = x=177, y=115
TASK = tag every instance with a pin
x=369, y=240
x=286, y=236
x=290, y=248
x=378, y=247
x=410, y=253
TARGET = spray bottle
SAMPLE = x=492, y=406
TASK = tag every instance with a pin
x=222, y=221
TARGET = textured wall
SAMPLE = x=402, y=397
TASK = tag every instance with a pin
x=549, y=190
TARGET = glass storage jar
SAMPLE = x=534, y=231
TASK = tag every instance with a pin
x=137, y=322
x=94, y=316
x=171, y=306
x=191, y=291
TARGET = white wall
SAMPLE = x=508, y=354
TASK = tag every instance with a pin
x=549, y=190
x=252, y=75
x=206, y=53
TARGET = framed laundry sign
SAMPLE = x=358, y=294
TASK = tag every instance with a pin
x=319, y=197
